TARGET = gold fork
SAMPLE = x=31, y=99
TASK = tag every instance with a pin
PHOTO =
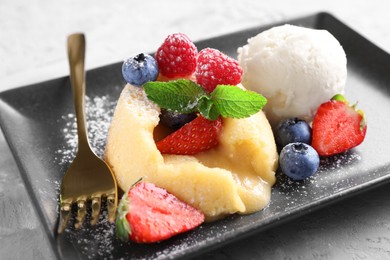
x=88, y=178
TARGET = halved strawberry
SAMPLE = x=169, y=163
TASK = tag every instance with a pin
x=196, y=136
x=337, y=127
x=148, y=214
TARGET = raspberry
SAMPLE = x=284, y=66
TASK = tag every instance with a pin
x=215, y=68
x=177, y=56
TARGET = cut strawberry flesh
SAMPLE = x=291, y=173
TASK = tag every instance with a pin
x=337, y=128
x=196, y=136
x=155, y=215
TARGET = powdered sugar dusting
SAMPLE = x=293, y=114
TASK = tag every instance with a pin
x=99, y=112
x=95, y=242
x=335, y=174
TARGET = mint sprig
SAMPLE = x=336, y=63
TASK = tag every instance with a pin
x=185, y=96
x=232, y=101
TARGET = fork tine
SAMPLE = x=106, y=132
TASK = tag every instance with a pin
x=96, y=204
x=81, y=212
x=111, y=206
x=64, y=217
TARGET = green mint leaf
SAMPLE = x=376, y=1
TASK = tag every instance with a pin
x=181, y=95
x=207, y=108
x=231, y=101
x=185, y=96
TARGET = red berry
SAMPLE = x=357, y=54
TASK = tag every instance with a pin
x=154, y=215
x=177, y=56
x=215, y=68
x=337, y=127
x=196, y=136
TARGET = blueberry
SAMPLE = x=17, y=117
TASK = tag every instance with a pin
x=299, y=161
x=140, y=69
x=292, y=130
x=175, y=120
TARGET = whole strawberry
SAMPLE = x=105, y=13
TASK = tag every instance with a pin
x=148, y=214
x=177, y=56
x=215, y=68
x=337, y=127
x=194, y=137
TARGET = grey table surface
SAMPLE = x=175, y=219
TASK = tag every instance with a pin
x=32, y=49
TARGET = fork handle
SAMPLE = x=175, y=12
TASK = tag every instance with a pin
x=76, y=57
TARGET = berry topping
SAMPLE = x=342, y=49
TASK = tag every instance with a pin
x=194, y=137
x=177, y=56
x=292, y=130
x=299, y=161
x=140, y=69
x=175, y=120
x=337, y=127
x=148, y=214
x=215, y=68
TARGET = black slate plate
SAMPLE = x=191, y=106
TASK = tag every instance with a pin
x=33, y=119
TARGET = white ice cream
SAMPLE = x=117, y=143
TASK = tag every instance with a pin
x=295, y=68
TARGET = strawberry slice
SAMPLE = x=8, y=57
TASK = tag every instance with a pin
x=196, y=136
x=337, y=127
x=148, y=214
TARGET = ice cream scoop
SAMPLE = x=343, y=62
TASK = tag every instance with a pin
x=295, y=68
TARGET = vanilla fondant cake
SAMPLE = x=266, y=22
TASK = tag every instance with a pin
x=234, y=177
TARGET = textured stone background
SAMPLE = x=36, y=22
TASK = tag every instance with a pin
x=32, y=49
